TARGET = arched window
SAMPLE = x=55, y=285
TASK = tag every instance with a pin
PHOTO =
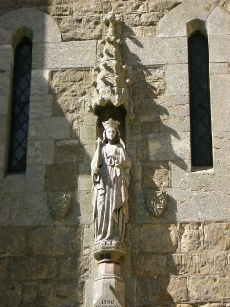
x=200, y=114
x=20, y=107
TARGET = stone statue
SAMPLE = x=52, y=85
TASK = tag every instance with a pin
x=110, y=173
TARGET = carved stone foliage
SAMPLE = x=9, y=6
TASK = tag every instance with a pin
x=109, y=75
x=156, y=202
x=59, y=205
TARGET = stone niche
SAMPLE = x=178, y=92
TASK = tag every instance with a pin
x=110, y=111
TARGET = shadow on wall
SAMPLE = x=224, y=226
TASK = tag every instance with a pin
x=152, y=240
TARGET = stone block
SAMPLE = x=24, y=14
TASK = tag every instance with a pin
x=31, y=182
x=5, y=85
x=4, y=265
x=169, y=145
x=63, y=177
x=30, y=293
x=63, y=55
x=148, y=265
x=218, y=68
x=158, y=238
x=49, y=128
x=221, y=151
x=10, y=293
x=69, y=267
x=89, y=150
x=176, y=119
x=68, y=151
x=87, y=134
x=155, y=290
x=218, y=48
x=208, y=288
x=191, y=236
x=6, y=54
x=24, y=209
x=177, y=289
x=199, y=204
x=84, y=182
x=5, y=104
x=61, y=294
x=153, y=51
x=39, y=82
x=177, y=83
x=218, y=22
x=84, y=199
x=217, y=236
x=55, y=241
x=219, y=101
x=174, y=23
x=33, y=268
x=205, y=263
x=4, y=125
x=41, y=105
x=12, y=243
x=40, y=152
x=5, y=29
x=185, y=179
x=155, y=175
x=45, y=29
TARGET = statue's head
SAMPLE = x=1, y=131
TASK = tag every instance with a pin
x=111, y=131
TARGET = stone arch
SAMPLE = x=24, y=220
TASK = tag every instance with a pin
x=43, y=26
x=216, y=18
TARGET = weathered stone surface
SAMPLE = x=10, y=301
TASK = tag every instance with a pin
x=208, y=288
x=33, y=268
x=158, y=238
x=148, y=265
x=216, y=236
x=30, y=293
x=155, y=175
x=61, y=294
x=68, y=151
x=49, y=128
x=10, y=294
x=4, y=265
x=207, y=263
x=63, y=55
x=41, y=105
x=152, y=51
x=40, y=152
x=12, y=244
x=154, y=290
x=174, y=23
x=39, y=82
x=54, y=241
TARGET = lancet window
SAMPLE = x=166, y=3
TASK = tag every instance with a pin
x=200, y=113
x=20, y=107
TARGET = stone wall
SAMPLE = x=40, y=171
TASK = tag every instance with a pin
x=180, y=258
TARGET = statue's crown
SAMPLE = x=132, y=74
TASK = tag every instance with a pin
x=111, y=123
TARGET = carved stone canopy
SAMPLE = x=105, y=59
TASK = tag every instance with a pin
x=109, y=75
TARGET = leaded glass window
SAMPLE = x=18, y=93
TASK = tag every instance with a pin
x=20, y=107
x=200, y=114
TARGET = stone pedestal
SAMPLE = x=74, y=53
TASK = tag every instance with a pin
x=109, y=287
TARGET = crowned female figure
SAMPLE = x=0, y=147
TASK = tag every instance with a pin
x=110, y=173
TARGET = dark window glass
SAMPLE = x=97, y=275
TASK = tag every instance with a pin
x=200, y=114
x=20, y=107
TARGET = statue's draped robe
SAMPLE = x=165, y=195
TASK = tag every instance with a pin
x=110, y=192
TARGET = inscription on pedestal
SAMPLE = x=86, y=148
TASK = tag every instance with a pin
x=107, y=298
x=107, y=303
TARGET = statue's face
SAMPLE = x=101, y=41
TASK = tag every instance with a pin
x=110, y=133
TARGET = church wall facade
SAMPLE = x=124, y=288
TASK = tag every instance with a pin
x=179, y=258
